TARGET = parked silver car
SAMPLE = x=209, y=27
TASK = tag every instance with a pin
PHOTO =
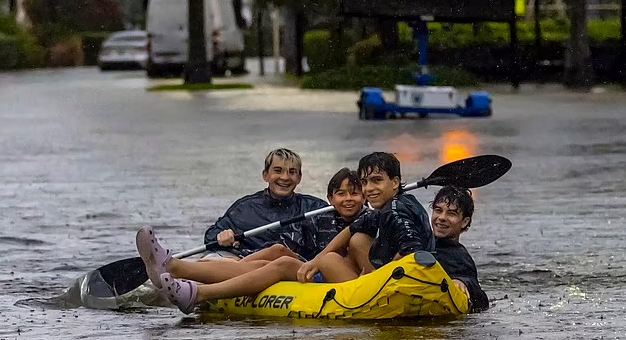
x=124, y=50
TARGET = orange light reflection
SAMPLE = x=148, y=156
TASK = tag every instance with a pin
x=458, y=145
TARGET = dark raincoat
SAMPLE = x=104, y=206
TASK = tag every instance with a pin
x=458, y=263
x=259, y=209
x=401, y=227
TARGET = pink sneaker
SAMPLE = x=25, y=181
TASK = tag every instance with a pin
x=182, y=293
x=153, y=255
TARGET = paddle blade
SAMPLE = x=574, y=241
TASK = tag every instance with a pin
x=471, y=172
x=122, y=276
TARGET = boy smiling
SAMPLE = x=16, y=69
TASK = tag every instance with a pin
x=282, y=172
x=232, y=279
x=452, y=215
x=399, y=226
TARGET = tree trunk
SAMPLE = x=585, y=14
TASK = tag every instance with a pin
x=197, y=69
x=578, y=67
x=623, y=40
x=388, y=30
x=241, y=21
x=260, y=39
x=292, y=37
x=299, y=42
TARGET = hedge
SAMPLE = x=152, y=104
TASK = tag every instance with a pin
x=366, y=52
x=497, y=34
x=326, y=49
x=383, y=76
x=9, y=51
x=18, y=49
x=446, y=36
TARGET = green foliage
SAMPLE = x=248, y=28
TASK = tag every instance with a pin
x=405, y=32
x=458, y=44
x=31, y=54
x=8, y=51
x=18, y=49
x=50, y=34
x=324, y=50
x=76, y=15
x=349, y=78
x=383, y=76
x=600, y=31
x=497, y=34
x=8, y=25
x=317, y=50
x=366, y=52
x=452, y=76
x=372, y=52
x=56, y=25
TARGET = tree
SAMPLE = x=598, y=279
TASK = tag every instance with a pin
x=292, y=40
x=296, y=15
x=197, y=69
x=241, y=21
x=76, y=15
x=578, y=67
x=388, y=30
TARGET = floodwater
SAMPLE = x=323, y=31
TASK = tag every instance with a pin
x=86, y=158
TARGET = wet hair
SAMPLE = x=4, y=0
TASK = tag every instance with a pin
x=461, y=197
x=285, y=155
x=382, y=161
x=335, y=182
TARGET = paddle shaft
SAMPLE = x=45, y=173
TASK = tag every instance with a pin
x=256, y=231
x=461, y=171
x=423, y=183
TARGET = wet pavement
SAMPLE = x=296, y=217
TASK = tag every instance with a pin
x=87, y=157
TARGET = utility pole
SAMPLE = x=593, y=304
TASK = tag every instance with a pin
x=260, y=39
x=197, y=69
x=299, y=41
x=276, y=38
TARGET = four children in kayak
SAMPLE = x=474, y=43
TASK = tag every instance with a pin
x=340, y=246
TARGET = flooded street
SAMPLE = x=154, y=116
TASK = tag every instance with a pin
x=86, y=158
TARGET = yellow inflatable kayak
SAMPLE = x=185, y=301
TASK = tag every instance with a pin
x=415, y=286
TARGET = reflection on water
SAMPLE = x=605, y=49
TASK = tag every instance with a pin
x=410, y=149
x=457, y=145
x=404, y=146
x=434, y=328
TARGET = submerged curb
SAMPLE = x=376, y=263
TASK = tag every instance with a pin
x=199, y=87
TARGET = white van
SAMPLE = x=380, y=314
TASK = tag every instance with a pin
x=166, y=23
